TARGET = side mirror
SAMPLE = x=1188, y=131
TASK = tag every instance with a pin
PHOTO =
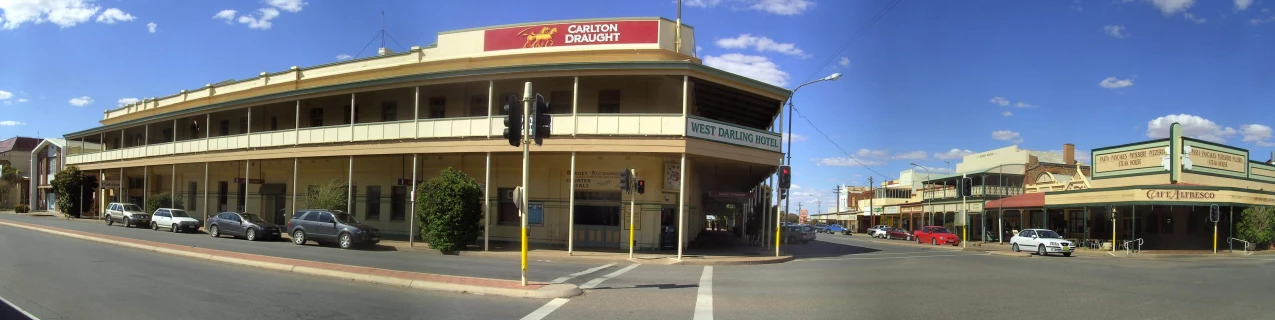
x=1035, y=237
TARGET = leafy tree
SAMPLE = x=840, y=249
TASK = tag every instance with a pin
x=1257, y=225
x=70, y=185
x=162, y=200
x=449, y=208
x=330, y=195
x=9, y=180
x=793, y=218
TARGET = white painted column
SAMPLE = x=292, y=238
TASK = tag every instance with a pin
x=349, y=186
x=207, y=131
x=491, y=97
x=295, y=188
x=205, y=193
x=681, y=207
x=416, y=126
x=172, y=195
x=249, y=135
x=411, y=225
x=571, y=202
x=352, y=122
x=123, y=188
x=686, y=105
x=487, y=201
x=247, y=178
x=575, y=119
x=146, y=185
x=296, y=130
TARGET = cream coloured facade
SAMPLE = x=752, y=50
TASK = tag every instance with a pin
x=385, y=122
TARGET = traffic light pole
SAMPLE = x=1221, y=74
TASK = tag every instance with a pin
x=526, y=167
x=632, y=216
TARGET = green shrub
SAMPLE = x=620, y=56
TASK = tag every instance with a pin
x=450, y=210
x=330, y=195
x=162, y=200
x=1256, y=225
x=70, y=184
x=22, y=208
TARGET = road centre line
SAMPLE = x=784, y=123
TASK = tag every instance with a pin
x=704, y=299
x=546, y=309
x=595, y=282
x=581, y=273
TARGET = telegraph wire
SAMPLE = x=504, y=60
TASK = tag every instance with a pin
x=834, y=143
x=885, y=10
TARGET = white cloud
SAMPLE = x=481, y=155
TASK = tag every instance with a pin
x=5, y=94
x=761, y=44
x=1169, y=7
x=847, y=162
x=868, y=153
x=1000, y=101
x=126, y=101
x=701, y=3
x=1116, y=31
x=782, y=7
x=21, y=100
x=1191, y=17
x=9, y=123
x=151, y=27
x=1024, y=105
x=796, y=137
x=698, y=49
x=1257, y=134
x=914, y=155
x=64, y=13
x=1007, y=113
x=844, y=62
x=228, y=15
x=952, y=154
x=794, y=187
x=1113, y=83
x=1082, y=156
x=343, y=57
x=262, y=20
x=756, y=67
x=1192, y=126
x=1007, y=135
x=113, y=15
x=1257, y=21
x=81, y=101
x=287, y=5
x=1242, y=4
x=934, y=170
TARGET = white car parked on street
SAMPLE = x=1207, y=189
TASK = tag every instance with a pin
x=1043, y=241
x=878, y=231
x=176, y=220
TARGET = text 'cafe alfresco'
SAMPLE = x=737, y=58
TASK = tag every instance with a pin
x=1160, y=191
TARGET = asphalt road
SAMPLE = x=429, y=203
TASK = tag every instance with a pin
x=382, y=257
x=55, y=277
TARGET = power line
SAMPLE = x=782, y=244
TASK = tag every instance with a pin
x=834, y=143
x=855, y=37
x=369, y=43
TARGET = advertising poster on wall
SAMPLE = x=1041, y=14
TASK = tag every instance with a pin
x=672, y=176
x=535, y=214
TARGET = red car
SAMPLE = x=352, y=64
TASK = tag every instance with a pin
x=936, y=235
x=896, y=233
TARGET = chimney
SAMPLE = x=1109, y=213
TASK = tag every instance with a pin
x=1069, y=154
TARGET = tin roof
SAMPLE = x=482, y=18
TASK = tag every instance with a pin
x=19, y=144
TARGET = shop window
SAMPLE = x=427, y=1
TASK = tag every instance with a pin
x=478, y=105
x=316, y=117
x=398, y=203
x=508, y=211
x=560, y=101
x=1166, y=223
x=373, y=200
x=389, y=111
x=437, y=107
x=1077, y=224
x=598, y=215
x=609, y=101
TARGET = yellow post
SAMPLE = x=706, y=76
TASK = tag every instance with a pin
x=632, y=210
x=1215, y=238
x=778, y=223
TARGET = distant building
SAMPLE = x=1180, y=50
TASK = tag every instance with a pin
x=16, y=152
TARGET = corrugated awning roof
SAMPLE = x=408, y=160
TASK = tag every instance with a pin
x=1026, y=200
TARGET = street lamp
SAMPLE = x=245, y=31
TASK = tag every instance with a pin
x=788, y=161
x=927, y=177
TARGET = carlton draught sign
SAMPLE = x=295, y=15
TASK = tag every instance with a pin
x=572, y=34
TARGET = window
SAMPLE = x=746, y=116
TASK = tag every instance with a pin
x=222, y=189
x=313, y=216
x=1077, y=224
x=508, y=211
x=274, y=123
x=437, y=107
x=325, y=217
x=191, y=199
x=398, y=203
x=316, y=117
x=346, y=114
x=1154, y=224
x=1194, y=221
x=389, y=111
x=243, y=197
x=373, y=200
x=560, y=101
x=224, y=128
x=167, y=133
x=243, y=125
x=609, y=101
x=1166, y=223
x=194, y=129
x=478, y=106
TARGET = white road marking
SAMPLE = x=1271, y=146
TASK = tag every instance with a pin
x=883, y=258
x=546, y=309
x=581, y=273
x=704, y=300
x=595, y=282
x=15, y=307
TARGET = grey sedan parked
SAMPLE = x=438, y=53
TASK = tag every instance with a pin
x=246, y=225
x=325, y=226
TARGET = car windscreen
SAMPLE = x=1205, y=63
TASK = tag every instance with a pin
x=940, y=230
x=345, y=218
x=132, y=207
x=251, y=217
x=1048, y=234
x=179, y=214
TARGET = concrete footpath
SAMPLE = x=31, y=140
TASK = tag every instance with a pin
x=417, y=280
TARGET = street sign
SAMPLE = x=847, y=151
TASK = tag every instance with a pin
x=109, y=184
x=250, y=181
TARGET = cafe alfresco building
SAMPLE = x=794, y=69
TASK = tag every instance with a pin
x=623, y=93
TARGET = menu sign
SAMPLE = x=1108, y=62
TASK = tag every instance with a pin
x=1217, y=159
x=1131, y=159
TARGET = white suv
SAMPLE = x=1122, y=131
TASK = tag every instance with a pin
x=127, y=213
x=878, y=231
x=176, y=220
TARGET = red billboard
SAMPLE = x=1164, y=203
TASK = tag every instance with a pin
x=572, y=34
x=804, y=214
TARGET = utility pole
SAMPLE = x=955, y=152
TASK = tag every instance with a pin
x=526, y=167
x=872, y=214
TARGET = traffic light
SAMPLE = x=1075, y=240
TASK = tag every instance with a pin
x=513, y=121
x=624, y=180
x=541, y=121
x=783, y=194
x=967, y=187
x=1215, y=213
x=785, y=177
x=641, y=186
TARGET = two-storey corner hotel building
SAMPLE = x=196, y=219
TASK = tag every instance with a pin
x=621, y=95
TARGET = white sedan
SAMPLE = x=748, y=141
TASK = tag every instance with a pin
x=1044, y=241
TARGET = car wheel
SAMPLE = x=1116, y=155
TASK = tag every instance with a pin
x=174, y=228
x=298, y=237
x=1040, y=250
x=1014, y=247
x=127, y=223
x=918, y=240
x=214, y=232
x=109, y=221
x=251, y=235
x=1066, y=254
x=154, y=226
x=934, y=241
x=345, y=242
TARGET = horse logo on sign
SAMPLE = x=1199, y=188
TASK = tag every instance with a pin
x=544, y=38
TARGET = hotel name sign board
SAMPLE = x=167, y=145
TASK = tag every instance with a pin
x=1131, y=159
x=727, y=133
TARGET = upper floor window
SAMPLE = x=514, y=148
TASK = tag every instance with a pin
x=389, y=111
x=437, y=107
x=316, y=117
x=609, y=101
x=274, y=123
x=478, y=105
x=243, y=125
x=347, y=115
x=560, y=101
x=224, y=126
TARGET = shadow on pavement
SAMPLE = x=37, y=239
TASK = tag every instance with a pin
x=823, y=249
x=658, y=286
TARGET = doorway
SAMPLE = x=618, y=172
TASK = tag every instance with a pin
x=274, y=202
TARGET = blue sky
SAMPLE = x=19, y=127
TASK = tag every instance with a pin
x=929, y=81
